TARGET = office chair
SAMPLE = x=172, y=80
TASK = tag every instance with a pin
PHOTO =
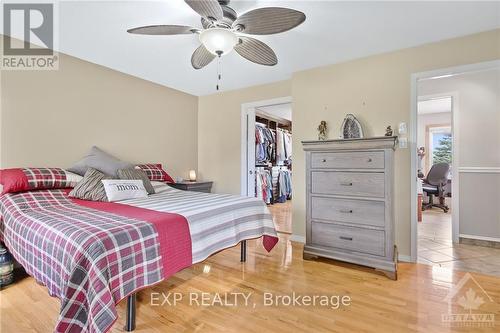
x=434, y=185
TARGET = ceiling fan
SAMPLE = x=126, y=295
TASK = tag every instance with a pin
x=223, y=30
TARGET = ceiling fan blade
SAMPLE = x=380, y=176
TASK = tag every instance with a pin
x=163, y=30
x=201, y=57
x=269, y=20
x=256, y=51
x=207, y=8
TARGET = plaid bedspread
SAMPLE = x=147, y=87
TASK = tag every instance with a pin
x=92, y=256
x=89, y=259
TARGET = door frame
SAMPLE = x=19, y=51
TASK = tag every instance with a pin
x=247, y=141
x=415, y=77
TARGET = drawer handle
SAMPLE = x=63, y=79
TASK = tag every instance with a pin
x=323, y=160
x=346, y=184
x=346, y=238
x=347, y=211
x=370, y=160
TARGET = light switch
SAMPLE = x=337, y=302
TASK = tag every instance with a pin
x=402, y=129
x=403, y=142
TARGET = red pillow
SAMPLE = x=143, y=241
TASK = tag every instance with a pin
x=155, y=172
x=25, y=179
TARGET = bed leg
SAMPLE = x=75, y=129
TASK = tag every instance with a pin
x=243, y=251
x=130, y=321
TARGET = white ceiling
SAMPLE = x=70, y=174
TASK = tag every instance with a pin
x=333, y=32
x=436, y=105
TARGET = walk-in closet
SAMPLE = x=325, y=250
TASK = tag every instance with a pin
x=273, y=157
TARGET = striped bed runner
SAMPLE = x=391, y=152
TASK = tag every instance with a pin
x=216, y=221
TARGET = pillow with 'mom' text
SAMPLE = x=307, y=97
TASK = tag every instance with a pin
x=122, y=189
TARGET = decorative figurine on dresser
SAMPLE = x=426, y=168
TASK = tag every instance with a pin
x=349, y=201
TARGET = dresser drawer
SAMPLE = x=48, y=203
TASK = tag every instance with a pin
x=348, y=238
x=348, y=160
x=348, y=183
x=349, y=211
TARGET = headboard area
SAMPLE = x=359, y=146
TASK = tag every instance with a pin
x=52, y=118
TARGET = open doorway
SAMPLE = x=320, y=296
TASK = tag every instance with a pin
x=456, y=162
x=435, y=165
x=267, y=162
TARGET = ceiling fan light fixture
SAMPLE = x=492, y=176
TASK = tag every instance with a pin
x=218, y=41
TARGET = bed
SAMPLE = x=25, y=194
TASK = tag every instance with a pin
x=92, y=255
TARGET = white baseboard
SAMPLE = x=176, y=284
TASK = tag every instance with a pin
x=479, y=169
x=298, y=239
x=404, y=258
x=491, y=239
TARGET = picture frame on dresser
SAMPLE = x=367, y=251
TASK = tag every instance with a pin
x=349, y=201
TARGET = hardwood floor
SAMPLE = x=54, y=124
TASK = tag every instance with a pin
x=282, y=216
x=414, y=303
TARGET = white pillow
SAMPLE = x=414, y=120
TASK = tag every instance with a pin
x=73, y=178
x=122, y=189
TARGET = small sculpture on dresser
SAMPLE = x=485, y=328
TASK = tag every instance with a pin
x=322, y=129
x=351, y=128
x=388, y=131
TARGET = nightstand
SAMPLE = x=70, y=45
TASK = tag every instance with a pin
x=193, y=186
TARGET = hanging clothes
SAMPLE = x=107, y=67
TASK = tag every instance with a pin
x=280, y=147
x=283, y=147
x=264, y=185
x=284, y=185
x=264, y=144
x=287, y=138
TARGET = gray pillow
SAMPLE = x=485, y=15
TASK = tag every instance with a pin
x=139, y=175
x=90, y=187
x=100, y=160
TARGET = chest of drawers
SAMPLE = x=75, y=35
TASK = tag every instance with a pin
x=349, y=209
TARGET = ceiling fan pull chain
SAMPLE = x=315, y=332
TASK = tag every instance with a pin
x=219, y=75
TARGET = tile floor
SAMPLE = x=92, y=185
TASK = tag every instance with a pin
x=435, y=247
x=434, y=242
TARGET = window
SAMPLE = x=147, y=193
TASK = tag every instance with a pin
x=439, y=145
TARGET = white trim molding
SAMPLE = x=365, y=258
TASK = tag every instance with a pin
x=483, y=238
x=479, y=169
x=404, y=258
x=414, y=78
x=248, y=110
x=298, y=239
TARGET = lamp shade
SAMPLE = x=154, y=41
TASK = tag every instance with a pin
x=192, y=175
x=218, y=40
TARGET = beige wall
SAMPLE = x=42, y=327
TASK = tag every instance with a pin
x=51, y=118
x=376, y=89
x=219, y=133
